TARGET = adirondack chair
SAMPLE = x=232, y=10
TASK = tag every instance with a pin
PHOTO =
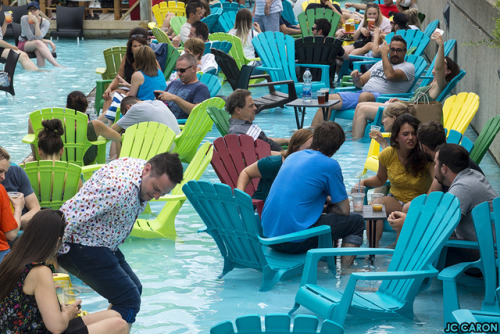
x=172, y=57
x=220, y=117
x=236, y=50
x=236, y=229
x=431, y=27
x=224, y=46
x=226, y=20
x=429, y=223
x=176, y=24
x=10, y=68
x=212, y=83
x=487, y=225
x=307, y=18
x=485, y=138
x=231, y=6
x=163, y=225
x=75, y=134
x=235, y=152
x=160, y=10
x=211, y=21
x=241, y=79
x=277, y=323
x=160, y=36
x=455, y=137
x=489, y=321
x=197, y=126
x=112, y=58
x=54, y=182
x=277, y=52
x=287, y=12
x=458, y=111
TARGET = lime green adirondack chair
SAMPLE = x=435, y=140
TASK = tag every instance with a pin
x=163, y=225
x=221, y=119
x=485, y=139
x=306, y=20
x=160, y=36
x=236, y=50
x=176, y=23
x=75, y=134
x=197, y=126
x=112, y=58
x=54, y=182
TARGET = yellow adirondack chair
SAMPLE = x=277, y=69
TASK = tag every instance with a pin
x=54, y=182
x=197, y=126
x=75, y=134
x=458, y=111
x=163, y=8
x=236, y=50
x=371, y=162
x=112, y=58
x=163, y=225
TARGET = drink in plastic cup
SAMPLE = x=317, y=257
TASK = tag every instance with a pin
x=377, y=202
x=321, y=97
x=371, y=23
x=349, y=26
x=358, y=200
x=70, y=295
x=62, y=281
x=8, y=17
x=374, y=128
x=327, y=93
x=13, y=195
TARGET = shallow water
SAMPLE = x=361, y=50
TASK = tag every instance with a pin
x=181, y=289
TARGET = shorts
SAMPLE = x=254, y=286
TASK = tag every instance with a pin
x=400, y=202
x=350, y=99
x=76, y=326
x=20, y=45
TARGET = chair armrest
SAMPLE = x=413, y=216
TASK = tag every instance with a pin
x=387, y=97
x=181, y=121
x=321, y=66
x=451, y=273
x=100, y=70
x=296, y=236
x=29, y=138
x=261, y=76
x=462, y=244
x=264, y=68
x=91, y=168
x=395, y=275
x=357, y=57
x=357, y=64
x=100, y=141
x=168, y=198
x=426, y=77
x=181, y=126
x=464, y=315
x=346, y=89
x=253, y=59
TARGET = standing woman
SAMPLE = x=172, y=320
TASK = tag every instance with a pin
x=148, y=76
x=267, y=14
x=33, y=30
x=28, y=301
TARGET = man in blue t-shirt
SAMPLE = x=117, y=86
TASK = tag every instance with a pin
x=306, y=180
x=182, y=95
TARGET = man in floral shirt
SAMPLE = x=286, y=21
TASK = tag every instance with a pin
x=101, y=216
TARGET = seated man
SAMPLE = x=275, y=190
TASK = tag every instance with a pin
x=241, y=107
x=199, y=30
x=14, y=179
x=391, y=75
x=468, y=185
x=287, y=28
x=194, y=13
x=299, y=192
x=182, y=95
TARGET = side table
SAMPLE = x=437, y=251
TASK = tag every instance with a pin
x=300, y=106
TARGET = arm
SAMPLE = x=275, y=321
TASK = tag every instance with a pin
x=116, y=128
x=439, y=75
x=18, y=204
x=44, y=28
x=5, y=45
x=109, y=133
x=4, y=27
x=358, y=6
x=360, y=79
x=281, y=141
x=340, y=208
x=183, y=104
x=247, y=174
x=289, y=31
x=256, y=26
x=390, y=73
x=398, y=5
x=377, y=180
x=135, y=83
x=49, y=42
x=435, y=186
x=26, y=28
x=31, y=203
x=116, y=81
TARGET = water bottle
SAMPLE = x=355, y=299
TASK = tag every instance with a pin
x=307, y=87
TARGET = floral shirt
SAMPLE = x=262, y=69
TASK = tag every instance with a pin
x=18, y=311
x=104, y=211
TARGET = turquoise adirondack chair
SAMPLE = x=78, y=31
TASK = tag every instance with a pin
x=211, y=21
x=287, y=12
x=487, y=225
x=224, y=46
x=455, y=137
x=277, y=52
x=429, y=223
x=236, y=229
x=226, y=21
x=231, y=6
x=431, y=27
x=277, y=323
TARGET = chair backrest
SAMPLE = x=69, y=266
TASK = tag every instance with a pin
x=226, y=20
x=212, y=82
x=236, y=50
x=75, y=131
x=420, y=64
x=487, y=225
x=287, y=12
x=146, y=139
x=235, y=152
x=221, y=119
x=414, y=38
x=458, y=111
x=431, y=27
x=485, y=138
x=70, y=18
x=228, y=66
x=10, y=68
x=176, y=23
x=447, y=90
x=197, y=126
x=159, y=17
x=224, y=46
x=316, y=50
x=17, y=12
x=455, y=137
x=307, y=2
x=307, y=18
x=113, y=58
x=172, y=56
x=429, y=223
x=160, y=36
x=54, y=182
x=211, y=21
x=231, y=6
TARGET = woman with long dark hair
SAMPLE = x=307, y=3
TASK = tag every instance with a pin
x=28, y=301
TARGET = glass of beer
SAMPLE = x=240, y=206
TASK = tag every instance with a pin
x=349, y=26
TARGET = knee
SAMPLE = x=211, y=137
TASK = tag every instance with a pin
x=366, y=97
x=119, y=325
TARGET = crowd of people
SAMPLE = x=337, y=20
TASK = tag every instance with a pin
x=302, y=186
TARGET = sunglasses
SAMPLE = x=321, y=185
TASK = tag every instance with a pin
x=138, y=36
x=182, y=70
x=397, y=50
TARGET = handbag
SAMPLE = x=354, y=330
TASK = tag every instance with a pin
x=362, y=41
x=427, y=110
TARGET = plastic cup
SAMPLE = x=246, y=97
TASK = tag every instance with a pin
x=327, y=93
x=358, y=200
x=374, y=128
x=14, y=194
x=8, y=17
x=349, y=26
x=70, y=295
x=377, y=202
x=371, y=23
x=321, y=97
x=62, y=281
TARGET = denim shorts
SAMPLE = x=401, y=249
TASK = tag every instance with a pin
x=350, y=99
x=109, y=274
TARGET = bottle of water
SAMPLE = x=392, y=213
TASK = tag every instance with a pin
x=307, y=87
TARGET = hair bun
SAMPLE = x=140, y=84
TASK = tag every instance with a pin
x=55, y=125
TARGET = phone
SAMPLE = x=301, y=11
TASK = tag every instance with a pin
x=441, y=32
x=157, y=94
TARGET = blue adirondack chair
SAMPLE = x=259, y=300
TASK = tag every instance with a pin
x=226, y=21
x=431, y=27
x=236, y=229
x=287, y=12
x=231, y=6
x=224, y=46
x=277, y=52
x=455, y=137
x=277, y=323
x=211, y=21
x=429, y=223
x=487, y=225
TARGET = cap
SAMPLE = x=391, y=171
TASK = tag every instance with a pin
x=33, y=4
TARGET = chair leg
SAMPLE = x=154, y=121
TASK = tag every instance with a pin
x=294, y=308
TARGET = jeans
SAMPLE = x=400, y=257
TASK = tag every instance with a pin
x=109, y=274
x=269, y=22
x=348, y=228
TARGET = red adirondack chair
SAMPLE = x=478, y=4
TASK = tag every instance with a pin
x=232, y=153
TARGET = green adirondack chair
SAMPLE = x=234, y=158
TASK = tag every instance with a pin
x=197, y=126
x=172, y=57
x=54, y=182
x=75, y=134
x=163, y=225
x=160, y=36
x=112, y=58
x=176, y=23
x=236, y=50
x=485, y=139
x=306, y=20
x=221, y=119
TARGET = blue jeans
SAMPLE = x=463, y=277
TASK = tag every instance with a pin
x=269, y=22
x=109, y=274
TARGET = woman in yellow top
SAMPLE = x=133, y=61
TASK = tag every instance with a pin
x=403, y=163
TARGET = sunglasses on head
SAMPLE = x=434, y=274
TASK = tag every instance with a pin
x=182, y=70
x=138, y=36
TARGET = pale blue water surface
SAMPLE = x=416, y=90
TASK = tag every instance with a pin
x=181, y=291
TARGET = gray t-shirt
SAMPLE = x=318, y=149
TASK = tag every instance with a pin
x=28, y=30
x=471, y=189
x=149, y=111
x=379, y=84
